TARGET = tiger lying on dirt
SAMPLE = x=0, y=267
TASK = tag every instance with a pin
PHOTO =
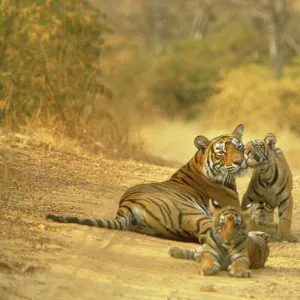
x=270, y=187
x=228, y=246
x=178, y=208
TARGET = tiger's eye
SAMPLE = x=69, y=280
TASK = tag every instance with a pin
x=219, y=156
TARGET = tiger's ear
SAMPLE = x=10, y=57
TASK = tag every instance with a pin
x=239, y=131
x=201, y=143
x=270, y=140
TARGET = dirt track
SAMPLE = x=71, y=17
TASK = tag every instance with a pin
x=43, y=260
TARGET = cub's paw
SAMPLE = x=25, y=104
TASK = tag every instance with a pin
x=291, y=238
x=209, y=269
x=240, y=272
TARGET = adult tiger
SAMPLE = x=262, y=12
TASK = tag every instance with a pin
x=178, y=208
x=270, y=187
x=229, y=246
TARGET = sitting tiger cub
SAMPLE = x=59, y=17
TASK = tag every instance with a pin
x=228, y=247
x=270, y=187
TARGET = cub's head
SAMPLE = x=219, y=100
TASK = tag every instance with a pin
x=223, y=156
x=231, y=225
x=257, y=151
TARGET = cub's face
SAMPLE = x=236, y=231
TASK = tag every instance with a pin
x=231, y=225
x=256, y=153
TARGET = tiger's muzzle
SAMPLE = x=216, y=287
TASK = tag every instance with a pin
x=255, y=158
x=237, y=167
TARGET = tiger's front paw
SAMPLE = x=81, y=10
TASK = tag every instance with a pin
x=275, y=237
x=291, y=238
x=209, y=269
x=239, y=272
x=266, y=224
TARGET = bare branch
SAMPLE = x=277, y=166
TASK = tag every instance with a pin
x=253, y=11
x=292, y=43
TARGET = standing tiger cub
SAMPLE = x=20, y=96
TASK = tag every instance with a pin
x=270, y=187
x=178, y=208
x=228, y=246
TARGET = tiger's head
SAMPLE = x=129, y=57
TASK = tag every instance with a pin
x=230, y=226
x=257, y=151
x=223, y=156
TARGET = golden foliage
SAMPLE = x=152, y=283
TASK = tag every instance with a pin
x=250, y=95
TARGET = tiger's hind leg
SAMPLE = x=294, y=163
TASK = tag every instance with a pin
x=258, y=249
x=262, y=220
x=263, y=215
x=285, y=211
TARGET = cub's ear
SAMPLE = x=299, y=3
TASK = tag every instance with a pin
x=239, y=131
x=270, y=140
x=201, y=143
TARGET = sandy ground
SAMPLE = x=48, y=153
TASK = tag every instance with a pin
x=40, y=259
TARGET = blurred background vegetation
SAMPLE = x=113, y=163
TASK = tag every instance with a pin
x=122, y=76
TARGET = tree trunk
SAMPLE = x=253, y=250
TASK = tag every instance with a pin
x=277, y=28
x=202, y=15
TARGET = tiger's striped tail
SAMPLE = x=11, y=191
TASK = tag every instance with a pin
x=186, y=253
x=121, y=223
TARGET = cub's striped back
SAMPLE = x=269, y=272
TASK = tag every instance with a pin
x=178, y=208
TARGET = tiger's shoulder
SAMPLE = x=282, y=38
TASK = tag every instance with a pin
x=281, y=159
x=278, y=151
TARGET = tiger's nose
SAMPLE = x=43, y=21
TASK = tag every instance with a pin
x=238, y=161
x=247, y=151
x=229, y=218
